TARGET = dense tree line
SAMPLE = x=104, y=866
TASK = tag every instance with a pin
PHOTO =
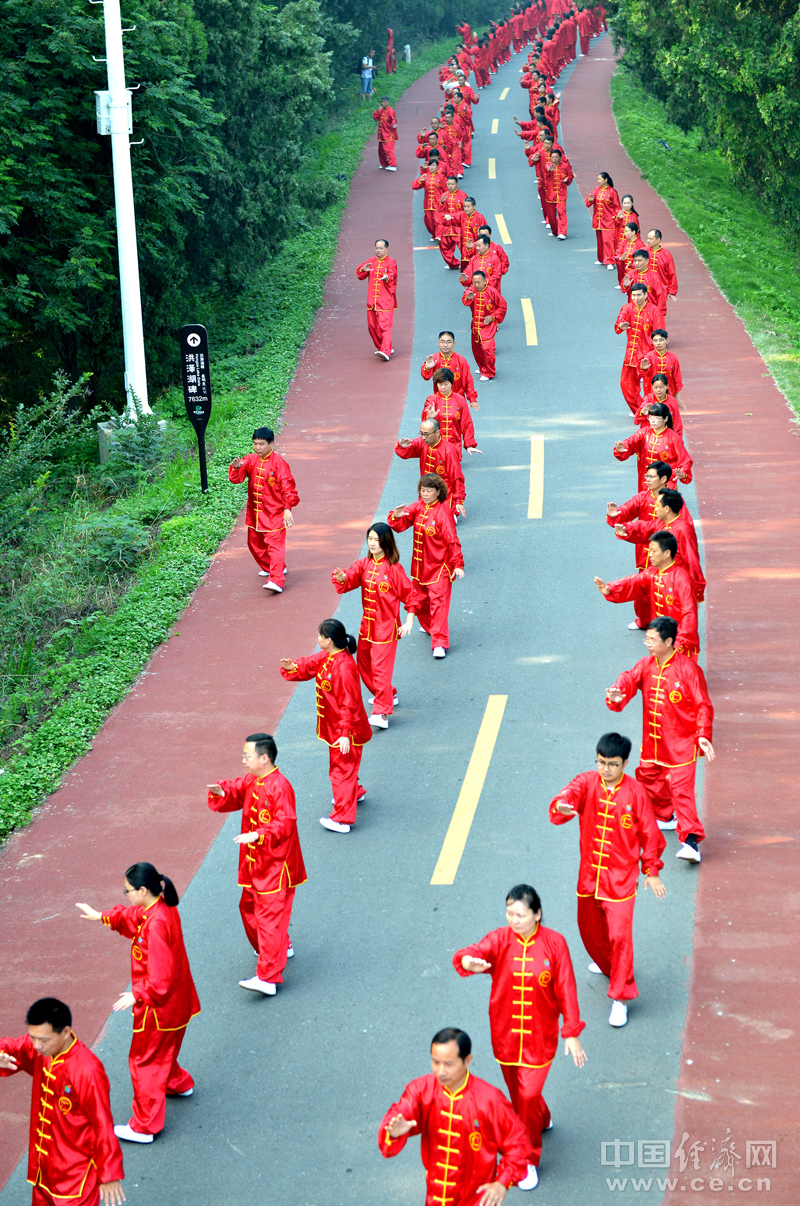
x=731, y=68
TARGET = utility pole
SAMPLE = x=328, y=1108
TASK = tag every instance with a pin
x=114, y=117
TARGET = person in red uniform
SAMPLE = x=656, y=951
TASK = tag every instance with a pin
x=384, y=586
x=604, y=204
x=341, y=719
x=618, y=834
x=679, y=718
x=465, y=1125
x=670, y=515
x=436, y=455
x=449, y=211
x=488, y=308
x=270, y=859
x=639, y=272
x=381, y=272
x=471, y=222
x=432, y=183
x=463, y=121
x=557, y=178
x=641, y=508
x=163, y=995
x=484, y=260
x=533, y=983
x=496, y=248
x=660, y=360
x=386, y=118
x=666, y=588
x=624, y=249
x=451, y=137
x=626, y=213
x=587, y=29
x=638, y=319
x=661, y=261
x=426, y=150
x=659, y=384
x=74, y=1157
x=436, y=559
x=271, y=498
x=656, y=442
x=451, y=412
x=447, y=357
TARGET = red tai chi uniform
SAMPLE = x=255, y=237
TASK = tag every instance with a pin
x=470, y=224
x=604, y=203
x=556, y=181
x=436, y=555
x=668, y=364
x=533, y=982
x=432, y=186
x=462, y=374
x=462, y=1134
x=668, y=592
x=648, y=446
x=618, y=832
x=340, y=713
x=486, y=303
x=72, y=1148
x=443, y=459
x=662, y=262
x=387, y=135
x=381, y=299
x=449, y=211
x=677, y=713
x=642, y=321
x=640, y=418
x=269, y=869
x=454, y=419
x=383, y=588
x=489, y=264
x=641, y=531
x=166, y=1001
x=271, y=489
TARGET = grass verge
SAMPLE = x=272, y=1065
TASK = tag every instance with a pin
x=747, y=252
x=82, y=660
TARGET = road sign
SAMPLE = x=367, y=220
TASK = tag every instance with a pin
x=196, y=377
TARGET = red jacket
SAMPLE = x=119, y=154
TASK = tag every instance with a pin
x=649, y=446
x=387, y=124
x=162, y=978
x=450, y=209
x=381, y=294
x=640, y=508
x=469, y=232
x=604, y=203
x=462, y=374
x=443, y=459
x=340, y=708
x=664, y=265
x=640, y=418
x=72, y=1145
x=676, y=707
x=533, y=982
x=642, y=322
x=655, y=287
x=437, y=549
x=641, y=531
x=488, y=303
x=668, y=364
x=432, y=186
x=275, y=862
x=462, y=1135
x=270, y=489
x=671, y=593
x=556, y=182
x=383, y=588
x=454, y=419
x=487, y=263
x=618, y=832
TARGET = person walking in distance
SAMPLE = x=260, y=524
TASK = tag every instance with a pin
x=271, y=498
x=381, y=272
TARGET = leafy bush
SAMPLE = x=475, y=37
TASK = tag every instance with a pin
x=113, y=542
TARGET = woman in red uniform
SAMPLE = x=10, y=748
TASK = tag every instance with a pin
x=605, y=204
x=451, y=411
x=625, y=248
x=163, y=995
x=656, y=442
x=384, y=586
x=626, y=213
x=437, y=558
x=660, y=393
x=533, y=982
x=341, y=719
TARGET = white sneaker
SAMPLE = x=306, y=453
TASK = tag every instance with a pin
x=689, y=853
x=610, y=267
x=671, y=824
x=383, y=354
x=123, y=1131
x=595, y=969
x=379, y=722
x=598, y=261
x=532, y=1179
x=391, y=169
x=274, y=587
x=185, y=1093
x=619, y=1014
x=440, y=651
x=482, y=378
x=263, y=573
x=334, y=826
x=262, y=986
x=549, y=1126
x=634, y=626
x=561, y=236
x=290, y=952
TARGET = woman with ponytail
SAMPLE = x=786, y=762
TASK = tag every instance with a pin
x=163, y=995
x=341, y=719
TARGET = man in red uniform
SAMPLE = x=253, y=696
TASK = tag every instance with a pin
x=471, y=222
x=586, y=29
x=465, y=1125
x=533, y=983
x=381, y=271
x=447, y=357
x=451, y=137
x=436, y=455
x=557, y=178
x=665, y=586
x=488, y=308
x=678, y=723
x=638, y=319
x=386, y=118
x=270, y=859
x=271, y=497
x=74, y=1157
x=496, y=248
x=425, y=151
x=449, y=211
x=618, y=833
x=484, y=260
x=640, y=273
x=641, y=508
x=660, y=360
x=661, y=261
x=670, y=515
x=432, y=182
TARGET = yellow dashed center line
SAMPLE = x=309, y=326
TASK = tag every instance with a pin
x=501, y=226
x=492, y=173
x=530, y=323
x=504, y=94
x=495, y=125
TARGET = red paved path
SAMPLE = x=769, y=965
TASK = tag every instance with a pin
x=743, y=1006
x=140, y=793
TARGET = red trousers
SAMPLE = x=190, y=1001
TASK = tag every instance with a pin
x=154, y=1068
x=671, y=789
x=556, y=214
x=344, y=781
x=429, y=216
x=643, y=611
x=379, y=325
x=386, y=155
x=375, y=665
x=542, y=201
x=606, y=928
x=89, y=1197
x=585, y=42
x=605, y=246
x=525, y=1087
x=265, y=917
x=466, y=152
x=630, y=382
x=449, y=245
x=269, y=552
x=434, y=610
x=484, y=354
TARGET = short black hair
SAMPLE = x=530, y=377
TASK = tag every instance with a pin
x=671, y=498
x=614, y=745
x=665, y=626
x=49, y=1010
x=526, y=894
x=640, y=253
x=265, y=744
x=451, y=1034
x=264, y=433
x=662, y=469
x=640, y=287
x=384, y=241
x=485, y=227
x=661, y=331
x=657, y=233
x=478, y=272
x=450, y=333
x=665, y=541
